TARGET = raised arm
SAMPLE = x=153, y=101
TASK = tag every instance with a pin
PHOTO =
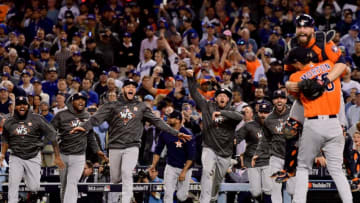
x=199, y=99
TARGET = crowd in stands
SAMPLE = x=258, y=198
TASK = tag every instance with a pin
x=51, y=49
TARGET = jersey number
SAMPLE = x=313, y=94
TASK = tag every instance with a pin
x=330, y=87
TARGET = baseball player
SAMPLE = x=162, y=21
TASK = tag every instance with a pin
x=257, y=159
x=322, y=48
x=73, y=146
x=126, y=118
x=219, y=123
x=274, y=124
x=321, y=126
x=22, y=133
x=180, y=156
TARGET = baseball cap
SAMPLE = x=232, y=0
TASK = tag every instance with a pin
x=3, y=88
x=29, y=68
x=355, y=28
x=194, y=35
x=241, y=42
x=148, y=98
x=149, y=27
x=52, y=69
x=115, y=69
x=176, y=114
x=203, y=81
x=170, y=79
x=179, y=77
x=130, y=82
x=223, y=91
x=279, y=93
x=104, y=72
x=304, y=20
x=20, y=60
x=265, y=107
x=79, y=95
x=209, y=43
x=268, y=51
x=276, y=62
x=228, y=72
x=76, y=79
x=69, y=14
x=25, y=73
x=210, y=25
x=91, y=17
x=77, y=34
x=30, y=62
x=127, y=34
x=47, y=50
x=77, y=53
x=21, y=100
x=298, y=54
x=36, y=80
x=274, y=32
x=5, y=74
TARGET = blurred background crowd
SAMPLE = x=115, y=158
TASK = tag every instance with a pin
x=50, y=49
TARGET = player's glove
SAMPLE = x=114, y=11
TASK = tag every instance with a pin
x=312, y=88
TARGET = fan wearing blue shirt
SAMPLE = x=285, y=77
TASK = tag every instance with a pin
x=180, y=156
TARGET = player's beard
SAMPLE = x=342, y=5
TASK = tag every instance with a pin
x=304, y=43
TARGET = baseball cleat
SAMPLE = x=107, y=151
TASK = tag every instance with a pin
x=277, y=174
x=355, y=185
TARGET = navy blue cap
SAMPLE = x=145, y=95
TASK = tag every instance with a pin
x=127, y=34
x=265, y=107
x=104, y=72
x=3, y=88
x=194, y=35
x=77, y=53
x=77, y=34
x=289, y=35
x=209, y=43
x=36, y=80
x=20, y=60
x=162, y=20
x=30, y=62
x=275, y=32
x=176, y=114
x=76, y=79
x=149, y=27
x=91, y=17
x=29, y=67
x=25, y=73
x=35, y=52
x=210, y=25
x=241, y=42
x=355, y=27
x=5, y=74
x=179, y=77
x=115, y=69
x=44, y=49
x=228, y=72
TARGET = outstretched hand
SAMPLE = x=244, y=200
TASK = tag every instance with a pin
x=77, y=129
x=184, y=137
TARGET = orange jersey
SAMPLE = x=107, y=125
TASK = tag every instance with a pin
x=329, y=102
x=332, y=52
x=251, y=67
x=162, y=91
x=207, y=95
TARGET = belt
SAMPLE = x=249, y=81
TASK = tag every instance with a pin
x=322, y=117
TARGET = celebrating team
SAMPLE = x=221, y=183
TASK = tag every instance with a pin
x=267, y=151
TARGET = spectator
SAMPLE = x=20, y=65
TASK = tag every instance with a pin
x=353, y=113
x=347, y=83
x=106, y=46
x=59, y=103
x=50, y=85
x=45, y=111
x=62, y=55
x=150, y=43
x=93, y=96
x=127, y=52
x=26, y=84
x=101, y=86
x=69, y=6
x=94, y=57
x=145, y=65
x=349, y=39
x=5, y=100
x=327, y=20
